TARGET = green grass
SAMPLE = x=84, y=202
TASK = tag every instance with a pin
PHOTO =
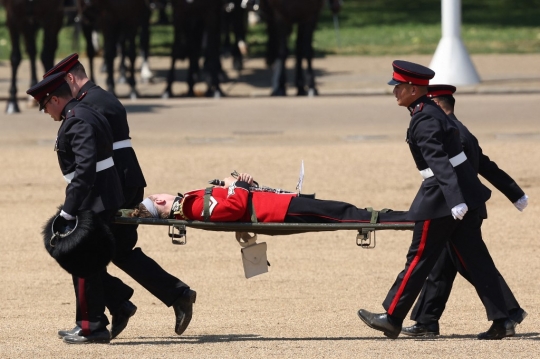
x=382, y=27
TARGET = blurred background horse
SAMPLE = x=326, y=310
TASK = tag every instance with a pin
x=235, y=23
x=26, y=17
x=196, y=21
x=120, y=22
x=199, y=28
x=281, y=16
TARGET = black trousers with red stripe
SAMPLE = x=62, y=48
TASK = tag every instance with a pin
x=90, y=295
x=309, y=210
x=90, y=314
x=436, y=290
x=429, y=239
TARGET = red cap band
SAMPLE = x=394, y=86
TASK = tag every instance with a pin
x=409, y=79
x=64, y=65
x=46, y=86
x=440, y=93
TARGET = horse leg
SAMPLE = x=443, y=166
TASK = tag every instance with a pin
x=111, y=39
x=212, y=26
x=175, y=54
x=50, y=41
x=121, y=47
x=15, y=59
x=239, y=28
x=300, y=54
x=30, y=44
x=87, y=30
x=132, y=53
x=195, y=32
x=146, y=73
x=163, y=19
x=170, y=79
x=226, y=21
x=225, y=31
x=308, y=55
x=279, y=77
x=271, y=31
x=95, y=37
x=304, y=50
x=192, y=75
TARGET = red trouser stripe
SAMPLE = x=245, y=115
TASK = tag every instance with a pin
x=83, y=307
x=330, y=218
x=411, y=267
x=459, y=256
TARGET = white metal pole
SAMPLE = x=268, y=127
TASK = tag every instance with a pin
x=451, y=61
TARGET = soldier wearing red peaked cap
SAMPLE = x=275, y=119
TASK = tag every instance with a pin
x=43, y=90
x=164, y=286
x=440, y=90
x=448, y=201
x=65, y=65
x=84, y=147
x=432, y=300
x=410, y=73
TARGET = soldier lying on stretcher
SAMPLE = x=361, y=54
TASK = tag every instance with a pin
x=238, y=201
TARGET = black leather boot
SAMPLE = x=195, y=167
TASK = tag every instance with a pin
x=501, y=328
x=98, y=337
x=183, y=310
x=66, y=332
x=517, y=315
x=422, y=330
x=121, y=317
x=382, y=322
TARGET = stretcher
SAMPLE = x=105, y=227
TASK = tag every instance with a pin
x=178, y=228
x=254, y=257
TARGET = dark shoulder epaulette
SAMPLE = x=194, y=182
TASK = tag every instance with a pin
x=82, y=96
x=418, y=108
x=70, y=113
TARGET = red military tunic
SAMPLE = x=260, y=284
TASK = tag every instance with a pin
x=231, y=205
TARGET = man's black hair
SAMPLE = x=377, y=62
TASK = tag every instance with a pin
x=449, y=100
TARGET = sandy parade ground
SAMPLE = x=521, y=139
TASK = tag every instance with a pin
x=351, y=139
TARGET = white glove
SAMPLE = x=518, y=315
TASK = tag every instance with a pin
x=67, y=216
x=458, y=212
x=522, y=203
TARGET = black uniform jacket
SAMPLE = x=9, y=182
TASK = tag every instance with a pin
x=85, y=138
x=486, y=167
x=433, y=139
x=108, y=105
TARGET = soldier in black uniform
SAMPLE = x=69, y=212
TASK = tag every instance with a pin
x=84, y=147
x=169, y=289
x=436, y=290
x=446, y=208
